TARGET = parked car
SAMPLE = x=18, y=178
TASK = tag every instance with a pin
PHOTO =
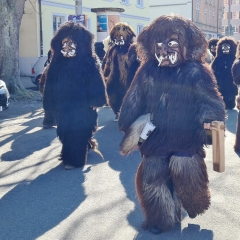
x=38, y=68
x=4, y=96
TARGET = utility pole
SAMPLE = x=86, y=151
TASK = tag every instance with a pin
x=229, y=16
x=40, y=25
x=217, y=16
x=78, y=6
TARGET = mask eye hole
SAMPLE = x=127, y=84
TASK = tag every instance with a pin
x=172, y=43
x=159, y=44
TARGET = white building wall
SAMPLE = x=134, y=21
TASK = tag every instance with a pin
x=163, y=7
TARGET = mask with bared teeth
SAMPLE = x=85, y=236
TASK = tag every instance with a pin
x=68, y=48
x=226, y=48
x=168, y=52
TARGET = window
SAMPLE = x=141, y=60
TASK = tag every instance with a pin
x=197, y=16
x=139, y=28
x=139, y=3
x=225, y=15
x=126, y=2
x=235, y=29
x=236, y=1
x=57, y=22
x=224, y=29
x=235, y=15
x=89, y=25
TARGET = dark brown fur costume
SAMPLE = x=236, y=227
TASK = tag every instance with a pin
x=221, y=66
x=49, y=118
x=236, y=78
x=116, y=65
x=212, y=43
x=181, y=99
x=74, y=86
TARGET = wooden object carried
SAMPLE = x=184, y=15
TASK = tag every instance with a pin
x=218, y=146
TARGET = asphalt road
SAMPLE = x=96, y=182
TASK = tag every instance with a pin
x=39, y=199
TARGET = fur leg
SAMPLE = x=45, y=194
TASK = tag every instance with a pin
x=153, y=185
x=237, y=139
x=115, y=102
x=74, y=147
x=230, y=103
x=190, y=179
x=49, y=119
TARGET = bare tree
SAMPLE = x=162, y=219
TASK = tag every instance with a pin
x=11, y=12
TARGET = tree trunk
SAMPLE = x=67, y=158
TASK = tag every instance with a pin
x=11, y=12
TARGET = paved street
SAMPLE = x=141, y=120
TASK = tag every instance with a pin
x=41, y=200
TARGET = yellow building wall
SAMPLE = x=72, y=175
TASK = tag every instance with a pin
x=30, y=29
x=28, y=40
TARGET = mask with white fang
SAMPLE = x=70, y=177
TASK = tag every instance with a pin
x=68, y=48
x=226, y=48
x=119, y=41
x=167, y=52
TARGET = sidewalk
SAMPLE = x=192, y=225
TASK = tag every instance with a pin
x=27, y=83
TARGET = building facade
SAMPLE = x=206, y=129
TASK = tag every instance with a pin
x=206, y=14
x=163, y=7
x=231, y=19
x=42, y=18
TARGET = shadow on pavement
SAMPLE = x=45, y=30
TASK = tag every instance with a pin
x=33, y=208
x=28, y=140
x=109, y=139
x=192, y=232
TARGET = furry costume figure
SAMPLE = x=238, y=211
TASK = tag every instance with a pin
x=73, y=90
x=49, y=118
x=236, y=78
x=222, y=64
x=179, y=92
x=212, y=45
x=114, y=64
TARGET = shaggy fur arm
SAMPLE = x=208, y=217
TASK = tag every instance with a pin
x=43, y=79
x=211, y=105
x=97, y=96
x=236, y=72
x=107, y=60
x=133, y=103
x=133, y=63
x=48, y=94
x=105, y=65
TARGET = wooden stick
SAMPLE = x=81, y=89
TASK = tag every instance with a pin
x=218, y=146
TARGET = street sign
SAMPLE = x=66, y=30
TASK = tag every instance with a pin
x=78, y=19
